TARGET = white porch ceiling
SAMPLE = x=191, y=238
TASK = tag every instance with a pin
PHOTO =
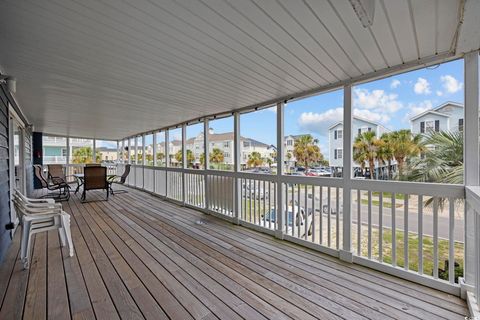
x=109, y=69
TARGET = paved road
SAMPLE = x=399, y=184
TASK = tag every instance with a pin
x=443, y=221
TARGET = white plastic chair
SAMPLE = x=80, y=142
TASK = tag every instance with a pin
x=39, y=216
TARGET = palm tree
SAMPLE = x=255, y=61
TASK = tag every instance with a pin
x=306, y=150
x=405, y=145
x=190, y=156
x=85, y=155
x=365, y=148
x=385, y=152
x=255, y=159
x=216, y=156
x=441, y=163
x=160, y=156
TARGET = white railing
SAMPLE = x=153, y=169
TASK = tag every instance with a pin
x=412, y=230
x=473, y=203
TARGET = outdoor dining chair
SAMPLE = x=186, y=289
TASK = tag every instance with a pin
x=119, y=180
x=57, y=184
x=40, y=216
x=95, y=178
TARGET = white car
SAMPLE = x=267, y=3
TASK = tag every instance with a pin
x=270, y=217
x=251, y=192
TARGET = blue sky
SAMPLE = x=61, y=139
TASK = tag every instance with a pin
x=390, y=101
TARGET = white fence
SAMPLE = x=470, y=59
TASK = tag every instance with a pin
x=412, y=230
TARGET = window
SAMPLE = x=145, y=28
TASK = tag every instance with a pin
x=53, y=150
x=429, y=126
x=131, y=150
x=340, y=134
x=175, y=147
x=258, y=129
x=226, y=144
x=219, y=131
x=160, y=149
x=81, y=151
x=140, y=155
x=195, y=146
x=338, y=153
x=106, y=151
x=310, y=125
x=149, y=150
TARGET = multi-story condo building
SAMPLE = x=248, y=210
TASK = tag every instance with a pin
x=55, y=149
x=445, y=117
x=222, y=141
x=335, y=138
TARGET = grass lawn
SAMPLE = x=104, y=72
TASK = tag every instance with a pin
x=413, y=242
x=388, y=195
x=377, y=203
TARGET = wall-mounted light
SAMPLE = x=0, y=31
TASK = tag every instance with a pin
x=10, y=81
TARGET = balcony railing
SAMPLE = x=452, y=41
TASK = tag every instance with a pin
x=412, y=230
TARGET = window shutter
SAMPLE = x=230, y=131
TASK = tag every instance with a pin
x=335, y=154
x=359, y=131
x=460, y=124
x=335, y=134
x=437, y=125
x=369, y=129
x=422, y=127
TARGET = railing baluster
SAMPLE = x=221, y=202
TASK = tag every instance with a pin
x=420, y=234
x=369, y=217
x=293, y=209
x=394, y=232
x=297, y=215
x=313, y=213
x=321, y=215
x=305, y=222
x=451, y=241
x=250, y=200
x=286, y=209
x=337, y=218
x=435, y=237
x=405, y=232
x=255, y=201
x=329, y=222
x=380, y=226
x=359, y=222
x=264, y=199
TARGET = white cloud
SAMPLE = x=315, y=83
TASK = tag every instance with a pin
x=417, y=108
x=319, y=122
x=422, y=86
x=395, y=84
x=439, y=93
x=450, y=84
x=372, y=116
x=376, y=100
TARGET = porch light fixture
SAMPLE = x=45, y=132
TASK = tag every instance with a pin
x=365, y=10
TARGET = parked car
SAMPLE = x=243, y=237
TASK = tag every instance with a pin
x=292, y=215
x=250, y=192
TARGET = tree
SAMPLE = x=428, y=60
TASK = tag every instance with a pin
x=306, y=151
x=190, y=156
x=85, y=155
x=385, y=152
x=202, y=159
x=216, y=156
x=254, y=159
x=160, y=156
x=442, y=162
x=365, y=149
x=405, y=145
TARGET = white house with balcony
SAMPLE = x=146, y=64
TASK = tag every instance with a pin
x=445, y=117
x=335, y=138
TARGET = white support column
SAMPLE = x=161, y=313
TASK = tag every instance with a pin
x=143, y=161
x=129, y=160
x=154, y=188
x=346, y=252
x=94, y=160
x=236, y=152
x=167, y=159
x=68, y=153
x=279, y=228
x=184, y=160
x=206, y=161
x=118, y=152
x=471, y=161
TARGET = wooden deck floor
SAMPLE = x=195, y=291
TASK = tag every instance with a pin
x=137, y=257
